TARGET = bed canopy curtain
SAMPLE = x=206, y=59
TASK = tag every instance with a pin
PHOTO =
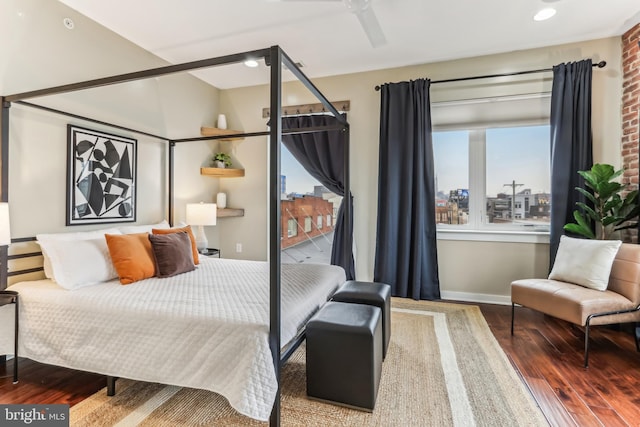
x=571, y=143
x=322, y=155
x=406, y=255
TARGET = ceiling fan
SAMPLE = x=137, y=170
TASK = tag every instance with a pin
x=367, y=17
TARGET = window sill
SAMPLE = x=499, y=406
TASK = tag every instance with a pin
x=494, y=236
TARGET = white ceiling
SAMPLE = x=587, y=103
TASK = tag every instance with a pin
x=329, y=40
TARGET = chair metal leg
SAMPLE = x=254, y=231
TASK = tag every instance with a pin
x=586, y=343
x=513, y=310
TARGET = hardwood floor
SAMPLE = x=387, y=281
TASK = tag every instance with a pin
x=548, y=354
x=545, y=351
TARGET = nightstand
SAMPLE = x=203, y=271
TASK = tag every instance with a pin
x=211, y=253
x=11, y=297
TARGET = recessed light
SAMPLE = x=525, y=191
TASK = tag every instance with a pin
x=251, y=63
x=68, y=23
x=544, y=14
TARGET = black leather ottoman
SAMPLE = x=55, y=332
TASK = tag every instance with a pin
x=371, y=293
x=344, y=354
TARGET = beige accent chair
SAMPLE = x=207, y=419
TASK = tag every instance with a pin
x=620, y=303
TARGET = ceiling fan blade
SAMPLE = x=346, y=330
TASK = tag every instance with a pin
x=371, y=26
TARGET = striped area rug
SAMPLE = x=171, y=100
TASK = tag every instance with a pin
x=443, y=368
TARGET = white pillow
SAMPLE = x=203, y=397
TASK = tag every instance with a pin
x=44, y=239
x=585, y=262
x=79, y=263
x=146, y=228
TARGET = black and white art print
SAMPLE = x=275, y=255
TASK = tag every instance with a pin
x=101, y=177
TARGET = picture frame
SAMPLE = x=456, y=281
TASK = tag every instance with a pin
x=101, y=177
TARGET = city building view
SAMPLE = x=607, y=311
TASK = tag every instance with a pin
x=524, y=207
x=308, y=215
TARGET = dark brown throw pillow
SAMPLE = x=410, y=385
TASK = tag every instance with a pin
x=172, y=253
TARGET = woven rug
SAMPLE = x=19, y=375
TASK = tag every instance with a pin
x=443, y=368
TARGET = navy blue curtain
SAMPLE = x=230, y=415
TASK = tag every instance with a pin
x=571, y=143
x=406, y=256
x=322, y=155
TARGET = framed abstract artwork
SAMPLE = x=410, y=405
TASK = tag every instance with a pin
x=101, y=177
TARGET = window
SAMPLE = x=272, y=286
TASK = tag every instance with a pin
x=307, y=224
x=292, y=228
x=493, y=177
x=319, y=222
x=328, y=220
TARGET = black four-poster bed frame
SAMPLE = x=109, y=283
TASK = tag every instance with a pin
x=275, y=58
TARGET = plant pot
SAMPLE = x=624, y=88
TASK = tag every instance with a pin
x=219, y=164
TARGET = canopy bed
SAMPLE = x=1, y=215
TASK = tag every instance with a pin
x=283, y=336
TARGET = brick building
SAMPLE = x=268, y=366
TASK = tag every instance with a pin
x=305, y=217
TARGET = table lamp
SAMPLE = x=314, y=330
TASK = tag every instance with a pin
x=5, y=230
x=201, y=214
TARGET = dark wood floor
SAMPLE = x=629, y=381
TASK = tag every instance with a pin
x=546, y=352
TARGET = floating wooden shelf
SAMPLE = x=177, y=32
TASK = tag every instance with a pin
x=222, y=172
x=228, y=212
x=206, y=131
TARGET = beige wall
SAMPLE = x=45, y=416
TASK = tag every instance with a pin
x=37, y=51
x=481, y=268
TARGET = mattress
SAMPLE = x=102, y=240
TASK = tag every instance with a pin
x=205, y=329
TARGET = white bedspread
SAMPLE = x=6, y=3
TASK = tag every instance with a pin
x=204, y=329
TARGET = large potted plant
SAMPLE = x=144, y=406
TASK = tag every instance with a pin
x=612, y=208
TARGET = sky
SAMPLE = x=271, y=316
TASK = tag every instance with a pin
x=521, y=154
x=298, y=179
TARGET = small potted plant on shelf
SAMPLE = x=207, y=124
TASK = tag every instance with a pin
x=221, y=160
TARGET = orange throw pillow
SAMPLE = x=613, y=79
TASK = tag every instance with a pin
x=132, y=256
x=187, y=229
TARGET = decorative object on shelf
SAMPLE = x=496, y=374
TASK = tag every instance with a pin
x=222, y=121
x=612, y=211
x=5, y=227
x=201, y=214
x=222, y=160
x=221, y=200
x=101, y=177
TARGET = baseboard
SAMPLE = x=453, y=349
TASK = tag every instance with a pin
x=473, y=297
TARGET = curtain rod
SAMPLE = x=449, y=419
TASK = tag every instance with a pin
x=600, y=64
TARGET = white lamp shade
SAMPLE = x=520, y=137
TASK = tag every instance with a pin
x=5, y=229
x=201, y=213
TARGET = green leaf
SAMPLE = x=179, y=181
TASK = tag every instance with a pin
x=576, y=229
x=587, y=194
x=587, y=209
x=610, y=220
x=606, y=190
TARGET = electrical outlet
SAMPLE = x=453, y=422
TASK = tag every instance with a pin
x=238, y=247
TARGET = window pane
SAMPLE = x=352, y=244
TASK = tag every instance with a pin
x=292, y=228
x=518, y=176
x=451, y=158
